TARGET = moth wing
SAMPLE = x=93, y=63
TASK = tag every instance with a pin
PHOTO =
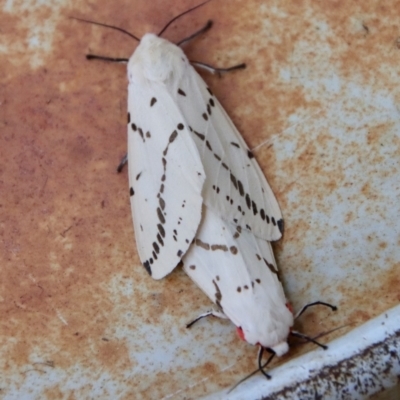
x=235, y=187
x=238, y=272
x=166, y=177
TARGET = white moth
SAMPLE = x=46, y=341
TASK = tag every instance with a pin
x=199, y=197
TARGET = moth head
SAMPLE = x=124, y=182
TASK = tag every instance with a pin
x=156, y=59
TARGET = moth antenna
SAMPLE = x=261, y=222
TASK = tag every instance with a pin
x=193, y=35
x=180, y=15
x=308, y=338
x=107, y=26
x=260, y=367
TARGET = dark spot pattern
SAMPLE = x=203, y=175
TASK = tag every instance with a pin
x=201, y=244
x=131, y=191
x=162, y=204
x=240, y=186
x=153, y=101
x=146, y=265
x=222, y=247
x=233, y=250
x=281, y=226
x=238, y=232
x=161, y=230
x=160, y=215
x=254, y=206
x=205, y=116
x=181, y=92
x=129, y=118
x=271, y=267
x=200, y=135
x=218, y=295
x=237, y=184
x=156, y=247
x=192, y=267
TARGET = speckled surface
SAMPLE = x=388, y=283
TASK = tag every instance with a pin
x=319, y=103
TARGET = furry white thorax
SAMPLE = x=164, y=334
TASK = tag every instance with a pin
x=156, y=59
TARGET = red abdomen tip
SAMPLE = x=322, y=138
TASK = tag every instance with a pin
x=239, y=331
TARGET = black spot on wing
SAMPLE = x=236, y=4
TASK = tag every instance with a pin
x=129, y=118
x=281, y=226
x=146, y=264
x=237, y=184
x=160, y=215
x=240, y=186
x=181, y=92
x=161, y=230
x=218, y=294
x=131, y=191
x=153, y=101
x=254, y=206
x=156, y=247
x=271, y=267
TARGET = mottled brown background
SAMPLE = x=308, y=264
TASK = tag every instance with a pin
x=80, y=317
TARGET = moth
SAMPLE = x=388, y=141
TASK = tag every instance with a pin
x=198, y=195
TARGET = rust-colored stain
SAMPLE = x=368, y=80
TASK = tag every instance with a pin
x=80, y=316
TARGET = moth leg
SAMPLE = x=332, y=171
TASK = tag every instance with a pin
x=214, y=313
x=122, y=163
x=214, y=70
x=315, y=303
x=103, y=58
